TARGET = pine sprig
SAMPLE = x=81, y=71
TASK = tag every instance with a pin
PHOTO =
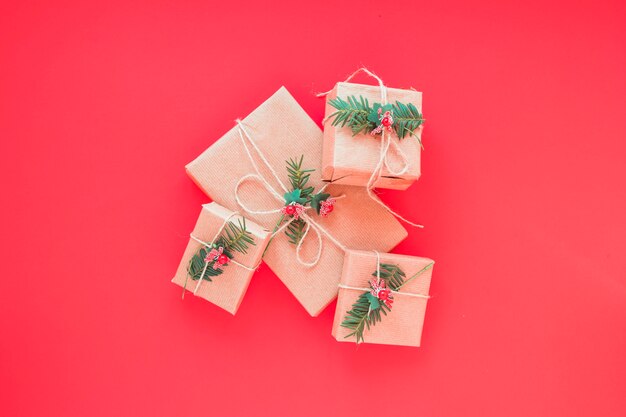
x=359, y=116
x=295, y=231
x=406, y=118
x=237, y=237
x=392, y=274
x=353, y=112
x=362, y=316
x=196, y=265
x=367, y=310
x=234, y=238
x=300, y=198
x=299, y=177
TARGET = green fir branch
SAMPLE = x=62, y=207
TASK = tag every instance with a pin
x=197, y=264
x=234, y=238
x=359, y=116
x=353, y=112
x=392, y=274
x=237, y=237
x=301, y=194
x=363, y=315
x=415, y=275
x=367, y=310
x=406, y=119
x=295, y=231
x=299, y=177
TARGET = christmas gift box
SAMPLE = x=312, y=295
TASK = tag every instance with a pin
x=267, y=165
x=223, y=252
x=372, y=135
x=382, y=298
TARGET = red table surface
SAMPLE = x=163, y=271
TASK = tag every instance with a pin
x=523, y=197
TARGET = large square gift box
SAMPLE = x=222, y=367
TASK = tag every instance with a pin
x=247, y=168
x=223, y=252
x=350, y=158
x=402, y=320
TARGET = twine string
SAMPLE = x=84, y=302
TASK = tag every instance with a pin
x=408, y=294
x=260, y=178
x=386, y=144
x=261, y=155
x=206, y=263
x=231, y=261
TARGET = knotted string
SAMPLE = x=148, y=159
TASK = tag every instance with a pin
x=258, y=177
x=408, y=294
x=386, y=143
x=210, y=245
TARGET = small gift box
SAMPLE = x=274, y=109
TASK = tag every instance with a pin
x=382, y=298
x=372, y=136
x=223, y=252
x=267, y=166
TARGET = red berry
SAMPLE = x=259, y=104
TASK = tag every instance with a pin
x=329, y=208
x=383, y=294
x=386, y=121
x=222, y=259
x=290, y=210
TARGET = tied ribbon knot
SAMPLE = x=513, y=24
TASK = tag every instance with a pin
x=299, y=213
x=388, y=143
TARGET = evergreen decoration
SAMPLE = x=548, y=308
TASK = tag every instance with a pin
x=317, y=199
x=359, y=116
x=369, y=308
x=298, y=199
x=354, y=112
x=392, y=274
x=234, y=238
x=299, y=177
x=295, y=231
x=295, y=197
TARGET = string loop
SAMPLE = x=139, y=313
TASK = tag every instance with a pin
x=318, y=230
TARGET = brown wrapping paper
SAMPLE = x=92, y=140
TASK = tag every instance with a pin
x=225, y=290
x=403, y=324
x=349, y=159
x=282, y=130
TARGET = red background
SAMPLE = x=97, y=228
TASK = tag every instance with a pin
x=523, y=197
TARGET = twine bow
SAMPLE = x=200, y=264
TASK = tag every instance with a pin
x=207, y=261
x=311, y=224
x=387, y=142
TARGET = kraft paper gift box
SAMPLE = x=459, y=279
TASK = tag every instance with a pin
x=402, y=325
x=281, y=129
x=227, y=289
x=351, y=159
